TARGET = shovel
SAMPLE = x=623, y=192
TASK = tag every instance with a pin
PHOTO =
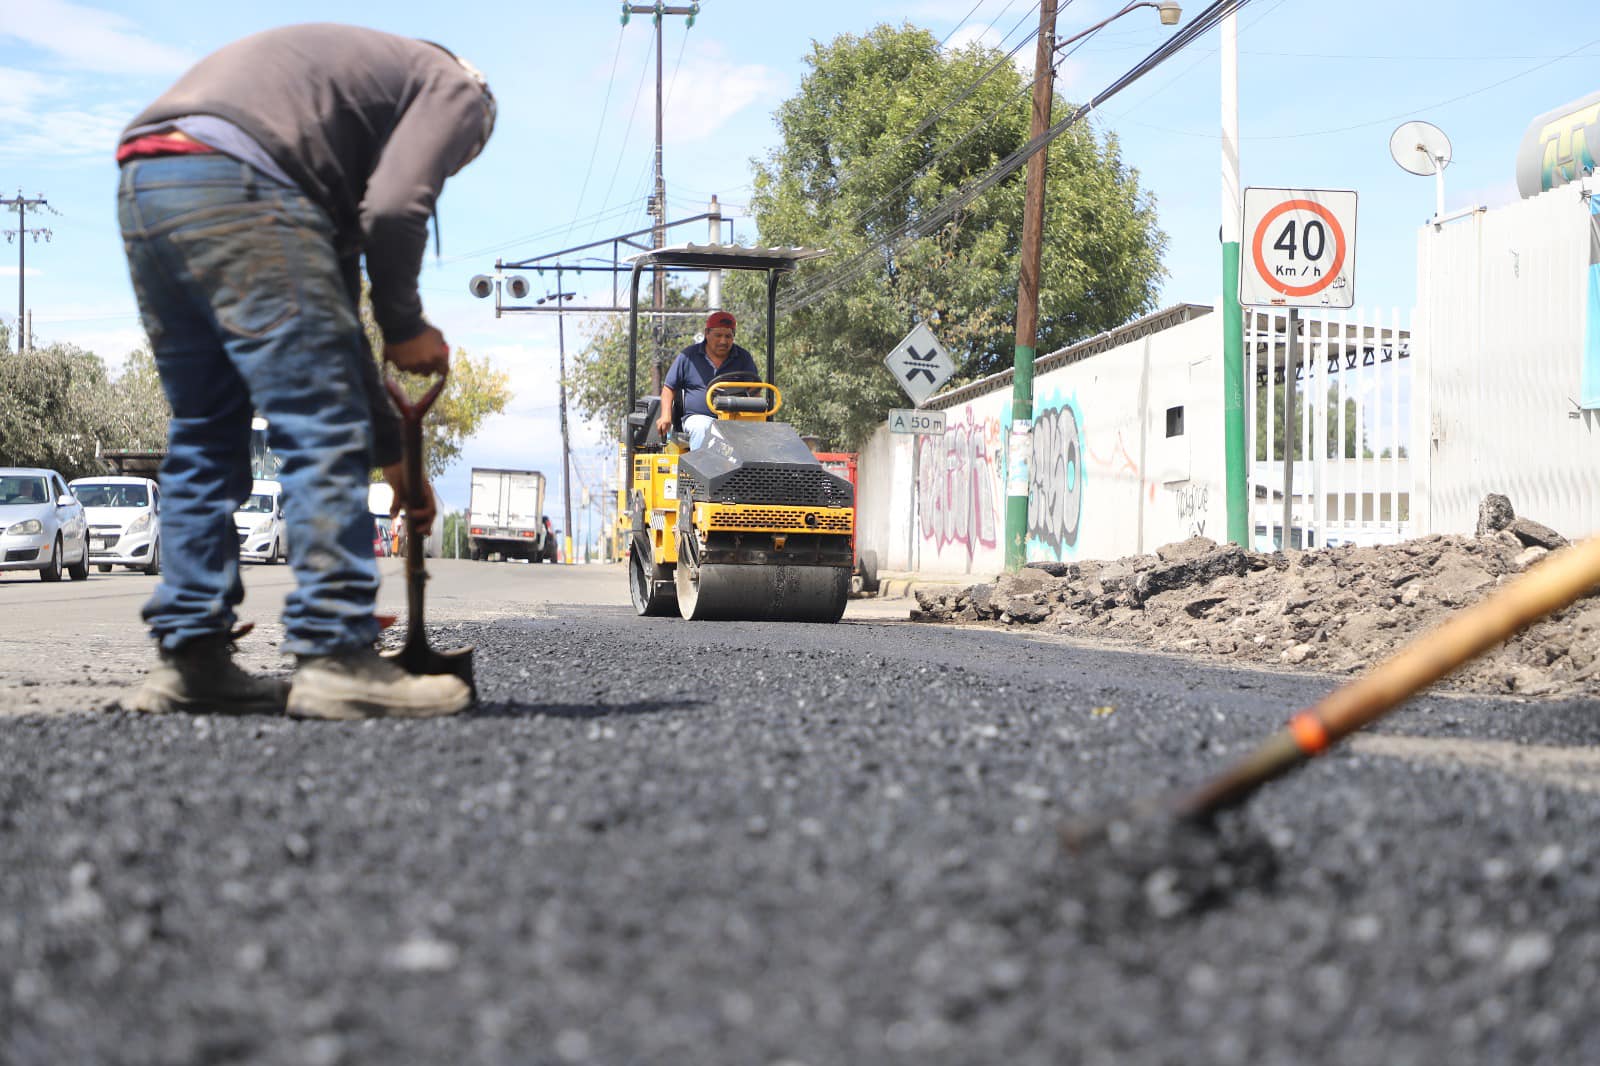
x=416, y=657
x=1548, y=587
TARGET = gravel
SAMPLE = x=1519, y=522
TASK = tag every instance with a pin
x=659, y=841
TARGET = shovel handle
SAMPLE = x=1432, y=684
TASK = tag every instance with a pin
x=411, y=452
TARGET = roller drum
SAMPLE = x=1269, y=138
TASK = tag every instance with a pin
x=770, y=593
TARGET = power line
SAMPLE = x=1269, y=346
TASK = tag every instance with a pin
x=820, y=285
x=600, y=126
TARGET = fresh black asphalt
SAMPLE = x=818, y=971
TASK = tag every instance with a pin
x=664, y=842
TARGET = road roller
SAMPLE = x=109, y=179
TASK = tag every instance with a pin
x=749, y=526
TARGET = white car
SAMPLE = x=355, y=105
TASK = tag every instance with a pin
x=124, y=521
x=259, y=521
x=42, y=525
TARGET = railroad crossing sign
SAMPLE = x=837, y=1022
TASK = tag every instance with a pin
x=1300, y=248
x=920, y=364
x=910, y=420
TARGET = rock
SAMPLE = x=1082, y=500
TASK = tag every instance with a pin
x=1067, y=570
x=1186, y=549
x=1164, y=577
x=1494, y=514
x=1299, y=653
x=1456, y=580
x=1528, y=556
x=1410, y=595
x=1535, y=535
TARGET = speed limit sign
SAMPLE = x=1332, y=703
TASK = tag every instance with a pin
x=1300, y=248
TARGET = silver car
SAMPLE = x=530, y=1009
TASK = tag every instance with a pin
x=42, y=524
x=124, y=515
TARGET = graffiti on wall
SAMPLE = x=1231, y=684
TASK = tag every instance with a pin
x=1055, y=479
x=959, y=478
x=1194, y=503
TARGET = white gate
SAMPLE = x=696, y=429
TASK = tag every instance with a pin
x=1350, y=480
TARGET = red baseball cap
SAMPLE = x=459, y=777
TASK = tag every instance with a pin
x=719, y=320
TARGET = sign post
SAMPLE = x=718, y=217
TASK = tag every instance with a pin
x=1300, y=251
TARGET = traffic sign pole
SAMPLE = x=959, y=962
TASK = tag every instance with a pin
x=1238, y=488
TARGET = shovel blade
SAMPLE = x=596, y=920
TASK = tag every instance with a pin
x=417, y=658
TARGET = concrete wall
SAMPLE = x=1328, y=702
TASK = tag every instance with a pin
x=1501, y=315
x=1106, y=479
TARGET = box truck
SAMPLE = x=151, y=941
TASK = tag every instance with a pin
x=506, y=516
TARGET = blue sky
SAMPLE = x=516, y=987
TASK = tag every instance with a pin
x=1322, y=86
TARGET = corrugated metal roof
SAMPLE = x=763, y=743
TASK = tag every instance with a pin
x=726, y=257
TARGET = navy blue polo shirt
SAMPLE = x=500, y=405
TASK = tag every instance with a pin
x=692, y=371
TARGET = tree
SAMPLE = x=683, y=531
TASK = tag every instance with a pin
x=861, y=158
x=473, y=392
x=61, y=409
x=597, y=376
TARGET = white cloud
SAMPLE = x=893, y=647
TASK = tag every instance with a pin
x=710, y=89
x=44, y=117
x=84, y=38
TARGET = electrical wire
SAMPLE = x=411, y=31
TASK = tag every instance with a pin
x=820, y=285
x=637, y=93
x=600, y=126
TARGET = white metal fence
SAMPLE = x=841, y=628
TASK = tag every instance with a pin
x=1350, y=478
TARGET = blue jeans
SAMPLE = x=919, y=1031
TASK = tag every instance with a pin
x=697, y=426
x=245, y=305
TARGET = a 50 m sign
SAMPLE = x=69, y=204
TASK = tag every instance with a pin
x=1300, y=248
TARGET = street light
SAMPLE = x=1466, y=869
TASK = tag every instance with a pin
x=1021, y=436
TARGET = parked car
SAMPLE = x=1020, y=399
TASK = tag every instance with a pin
x=42, y=524
x=259, y=521
x=124, y=516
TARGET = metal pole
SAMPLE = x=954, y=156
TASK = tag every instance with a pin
x=714, y=277
x=658, y=235
x=22, y=272
x=1021, y=439
x=1291, y=362
x=1232, y=318
x=566, y=448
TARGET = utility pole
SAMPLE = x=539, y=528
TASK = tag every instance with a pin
x=1233, y=433
x=566, y=447
x=658, y=200
x=21, y=204
x=1020, y=444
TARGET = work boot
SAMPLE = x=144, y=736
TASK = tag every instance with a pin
x=363, y=684
x=202, y=678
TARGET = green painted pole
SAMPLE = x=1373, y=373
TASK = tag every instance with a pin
x=1233, y=398
x=1233, y=385
x=1018, y=450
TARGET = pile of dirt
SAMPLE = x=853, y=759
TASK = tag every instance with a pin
x=1335, y=610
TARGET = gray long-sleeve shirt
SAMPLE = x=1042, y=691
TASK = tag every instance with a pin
x=368, y=124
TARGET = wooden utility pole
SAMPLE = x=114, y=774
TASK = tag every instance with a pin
x=658, y=199
x=20, y=204
x=1020, y=442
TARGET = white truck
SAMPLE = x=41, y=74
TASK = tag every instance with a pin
x=506, y=516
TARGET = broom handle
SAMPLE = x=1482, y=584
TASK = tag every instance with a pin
x=1549, y=586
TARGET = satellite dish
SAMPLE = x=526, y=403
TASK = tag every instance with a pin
x=1420, y=147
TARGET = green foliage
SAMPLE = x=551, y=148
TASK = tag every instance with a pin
x=597, y=375
x=60, y=409
x=853, y=166
x=453, y=542
x=473, y=392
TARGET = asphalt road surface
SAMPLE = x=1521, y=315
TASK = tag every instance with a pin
x=664, y=842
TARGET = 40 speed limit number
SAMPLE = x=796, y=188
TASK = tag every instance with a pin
x=1300, y=248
